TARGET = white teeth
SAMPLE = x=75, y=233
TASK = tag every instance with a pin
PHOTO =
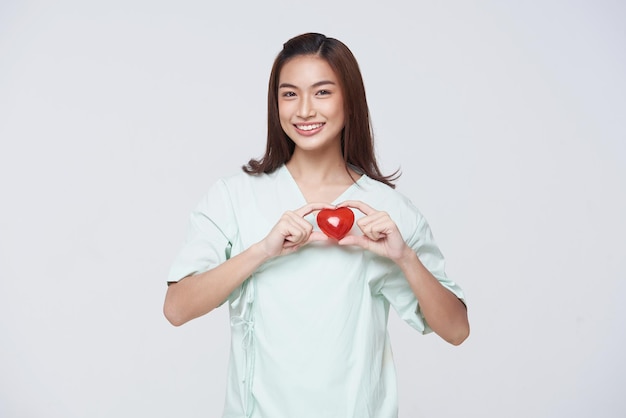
x=309, y=127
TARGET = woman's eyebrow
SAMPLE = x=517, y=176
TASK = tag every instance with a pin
x=322, y=83
x=319, y=83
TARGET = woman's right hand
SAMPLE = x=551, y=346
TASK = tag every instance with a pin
x=200, y=293
x=292, y=231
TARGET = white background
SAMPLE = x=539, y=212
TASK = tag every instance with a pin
x=506, y=118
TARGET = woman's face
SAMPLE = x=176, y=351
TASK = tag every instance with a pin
x=310, y=103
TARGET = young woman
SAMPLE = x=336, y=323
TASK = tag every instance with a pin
x=309, y=312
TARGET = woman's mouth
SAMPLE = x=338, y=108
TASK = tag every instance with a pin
x=308, y=128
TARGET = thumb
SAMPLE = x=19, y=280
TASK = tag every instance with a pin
x=358, y=240
x=317, y=236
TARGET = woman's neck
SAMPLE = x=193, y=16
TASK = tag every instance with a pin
x=320, y=179
x=316, y=168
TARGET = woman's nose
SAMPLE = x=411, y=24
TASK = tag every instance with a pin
x=305, y=108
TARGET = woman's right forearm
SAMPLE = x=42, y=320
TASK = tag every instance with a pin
x=199, y=294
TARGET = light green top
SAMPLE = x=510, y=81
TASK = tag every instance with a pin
x=309, y=330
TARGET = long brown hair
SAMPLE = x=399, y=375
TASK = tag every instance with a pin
x=357, y=140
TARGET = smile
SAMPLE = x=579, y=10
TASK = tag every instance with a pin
x=309, y=127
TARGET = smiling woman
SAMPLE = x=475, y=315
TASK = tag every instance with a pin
x=344, y=79
x=309, y=297
x=310, y=105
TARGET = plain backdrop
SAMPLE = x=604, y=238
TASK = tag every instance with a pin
x=506, y=118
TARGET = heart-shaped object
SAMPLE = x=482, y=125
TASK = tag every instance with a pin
x=335, y=222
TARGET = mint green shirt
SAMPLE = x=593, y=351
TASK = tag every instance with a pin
x=308, y=330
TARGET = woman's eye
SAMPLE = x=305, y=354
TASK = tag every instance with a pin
x=289, y=94
x=323, y=92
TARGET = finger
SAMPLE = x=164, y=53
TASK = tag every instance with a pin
x=357, y=204
x=374, y=234
x=358, y=240
x=317, y=236
x=290, y=247
x=293, y=229
x=312, y=207
x=372, y=218
x=296, y=233
x=373, y=222
x=378, y=228
x=298, y=221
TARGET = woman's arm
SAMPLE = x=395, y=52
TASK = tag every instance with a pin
x=199, y=294
x=445, y=313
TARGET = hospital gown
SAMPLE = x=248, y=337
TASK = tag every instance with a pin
x=308, y=330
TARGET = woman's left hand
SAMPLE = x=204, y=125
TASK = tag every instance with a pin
x=444, y=312
x=380, y=232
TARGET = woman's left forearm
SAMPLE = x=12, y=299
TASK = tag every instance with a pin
x=445, y=313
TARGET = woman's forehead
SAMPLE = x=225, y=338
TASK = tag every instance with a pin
x=306, y=70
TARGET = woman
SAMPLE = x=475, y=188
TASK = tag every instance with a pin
x=308, y=312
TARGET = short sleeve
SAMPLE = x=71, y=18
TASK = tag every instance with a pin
x=396, y=288
x=210, y=234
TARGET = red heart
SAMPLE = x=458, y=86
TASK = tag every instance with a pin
x=335, y=222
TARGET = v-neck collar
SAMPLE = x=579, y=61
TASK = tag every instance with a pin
x=296, y=189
